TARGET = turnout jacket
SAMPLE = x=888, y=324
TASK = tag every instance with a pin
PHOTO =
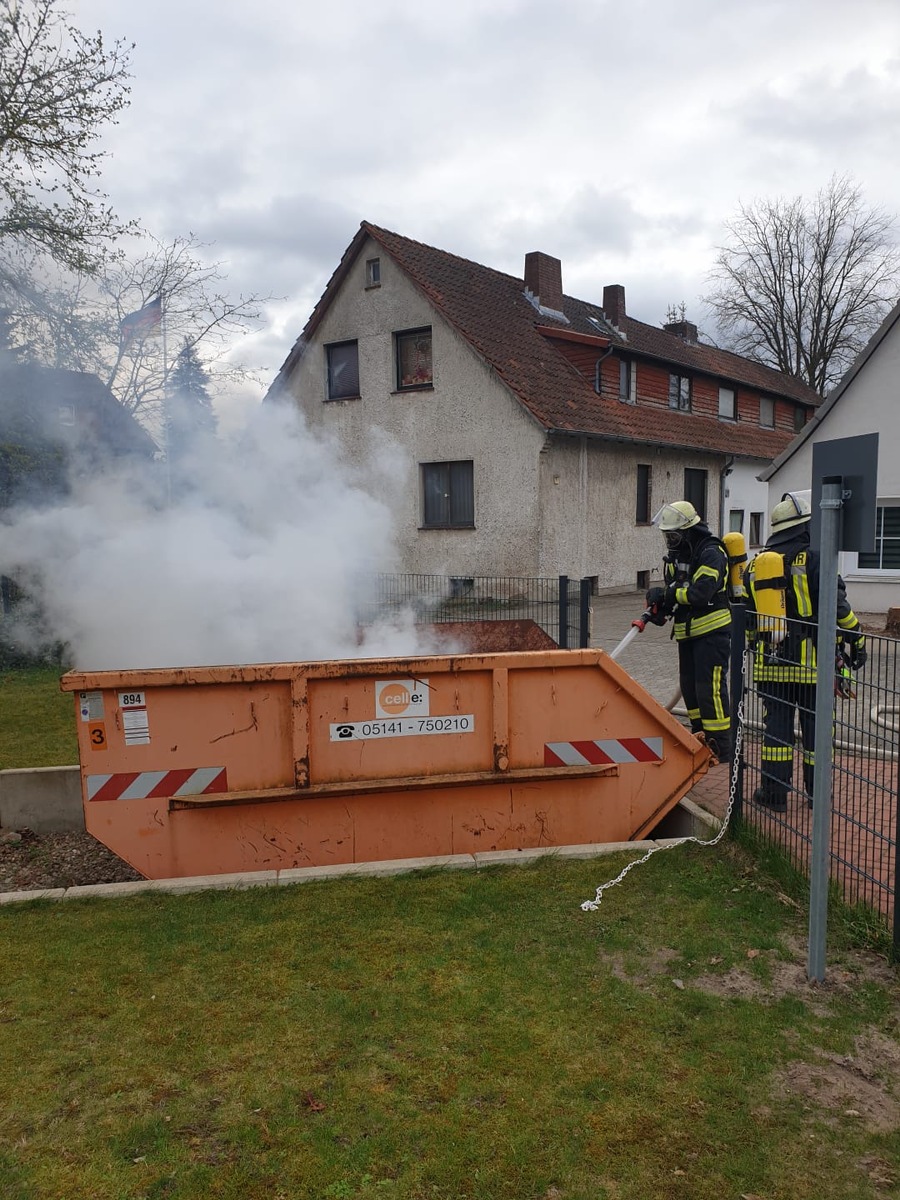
x=793, y=660
x=696, y=575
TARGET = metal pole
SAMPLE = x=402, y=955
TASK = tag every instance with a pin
x=584, y=616
x=824, y=744
x=738, y=649
x=167, y=449
x=563, y=639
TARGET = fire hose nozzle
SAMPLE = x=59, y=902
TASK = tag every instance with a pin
x=640, y=623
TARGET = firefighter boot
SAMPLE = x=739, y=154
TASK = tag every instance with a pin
x=768, y=798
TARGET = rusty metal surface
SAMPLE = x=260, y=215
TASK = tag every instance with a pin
x=461, y=768
x=491, y=637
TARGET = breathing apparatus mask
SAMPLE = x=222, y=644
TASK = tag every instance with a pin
x=674, y=520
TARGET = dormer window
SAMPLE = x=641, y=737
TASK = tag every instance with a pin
x=373, y=273
x=627, y=381
x=680, y=392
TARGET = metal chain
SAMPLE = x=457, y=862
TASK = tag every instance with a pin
x=593, y=905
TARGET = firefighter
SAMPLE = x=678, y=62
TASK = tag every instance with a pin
x=784, y=663
x=695, y=572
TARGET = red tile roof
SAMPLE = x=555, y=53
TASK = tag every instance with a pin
x=490, y=310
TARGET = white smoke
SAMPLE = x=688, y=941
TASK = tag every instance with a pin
x=259, y=548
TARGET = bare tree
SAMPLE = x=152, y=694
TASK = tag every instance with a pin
x=801, y=285
x=74, y=322
x=58, y=88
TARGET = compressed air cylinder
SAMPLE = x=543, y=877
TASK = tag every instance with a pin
x=737, y=559
x=769, y=593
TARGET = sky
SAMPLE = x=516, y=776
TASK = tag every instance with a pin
x=618, y=137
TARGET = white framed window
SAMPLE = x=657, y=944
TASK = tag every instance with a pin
x=448, y=495
x=342, y=360
x=728, y=403
x=886, y=555
x=735, y=520
x=756, y=528
x=767, y=412
x=373, y=273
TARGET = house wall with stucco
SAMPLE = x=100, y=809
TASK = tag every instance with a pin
x=466, y=414
x=867, y=405
x=588, y=501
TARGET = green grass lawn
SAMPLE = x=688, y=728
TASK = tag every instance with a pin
x=447, y=1035
x=37, y=720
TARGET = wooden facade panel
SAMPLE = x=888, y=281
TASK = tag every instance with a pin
x=653, y=388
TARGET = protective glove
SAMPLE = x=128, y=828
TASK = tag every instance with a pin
x=669, y=603
x=858, y=654
x=656, y=597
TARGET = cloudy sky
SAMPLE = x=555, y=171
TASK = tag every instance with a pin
x=618, y=136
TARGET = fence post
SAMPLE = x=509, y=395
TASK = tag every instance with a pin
x=820, y=852
x=584, y=615
x=895, y=947
x=563, y=638
x=738, y=650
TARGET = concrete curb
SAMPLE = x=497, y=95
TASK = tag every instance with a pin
x=200, y=883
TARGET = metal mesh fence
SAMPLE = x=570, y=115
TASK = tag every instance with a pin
x=557, y=605
x=778, y=758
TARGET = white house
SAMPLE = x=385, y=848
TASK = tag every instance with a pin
x=865, y=401
x=541, y=432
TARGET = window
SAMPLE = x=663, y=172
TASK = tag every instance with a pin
x=695, y=489
x=448, y=493
x=727, y=404
x=886, y=555
x=756, y=524
x=413, y=358
x=67, y=414
x=680, y=392
x=627, y=381
x=799, y=418
x=736, y=520
x=642, y=511
x=767, y=412
x=343, y=370
x=373, y=273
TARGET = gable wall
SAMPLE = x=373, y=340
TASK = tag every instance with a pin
x=467, y=415
x=868, y=405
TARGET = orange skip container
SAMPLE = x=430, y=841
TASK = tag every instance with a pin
x=211, y=770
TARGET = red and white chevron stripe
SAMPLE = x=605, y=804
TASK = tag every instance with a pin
x=147, y=785
x=602, y=754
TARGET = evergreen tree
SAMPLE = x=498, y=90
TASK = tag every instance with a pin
x=189, y=407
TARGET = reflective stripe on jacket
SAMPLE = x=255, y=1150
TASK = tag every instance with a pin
x=793, y=660
x=701, y=599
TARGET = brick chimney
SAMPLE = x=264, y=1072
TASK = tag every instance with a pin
x=543, y=278
x=686, y=330
x=614, y=304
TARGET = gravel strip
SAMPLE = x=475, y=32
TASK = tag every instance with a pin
x=33, y=862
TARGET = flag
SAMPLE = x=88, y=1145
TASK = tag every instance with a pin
x=138, y=325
